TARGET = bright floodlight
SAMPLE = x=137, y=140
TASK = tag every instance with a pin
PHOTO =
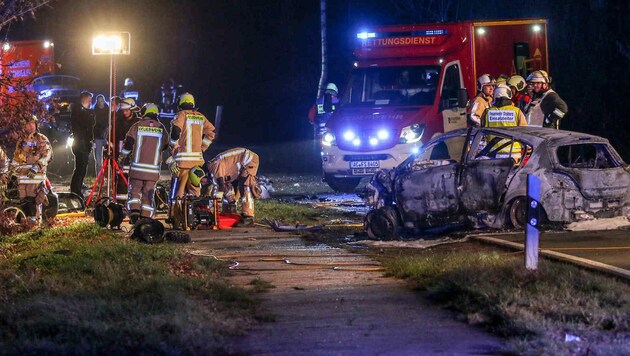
x=536, y=28
x=111, y=43
x=349, y=135
x=383, y=135
x=6, y=46
x=356, y=142
x=373, y=141
x=481, y=31
x=47, y=44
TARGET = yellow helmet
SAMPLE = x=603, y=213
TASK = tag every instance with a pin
x=187, y=99
x=150, y=109
x=517, y=82
x=34, y=119
x=195, y=175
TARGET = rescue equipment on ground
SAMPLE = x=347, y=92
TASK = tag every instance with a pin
x=108, y=213
x=149, y=231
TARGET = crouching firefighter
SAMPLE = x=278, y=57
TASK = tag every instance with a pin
x=4, y=174
x=30, y=160
x=232, y=170
x=191, y=135
x=145, y=141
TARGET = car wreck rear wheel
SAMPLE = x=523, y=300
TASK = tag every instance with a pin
x=382, y=223
x=518, y=212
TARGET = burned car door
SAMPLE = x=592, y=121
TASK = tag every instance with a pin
x=426, y=186
x=484, y=176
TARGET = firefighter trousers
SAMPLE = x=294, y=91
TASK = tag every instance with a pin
x=37, y=195
x=181, y=187
x=141, y=197
x=244, y=194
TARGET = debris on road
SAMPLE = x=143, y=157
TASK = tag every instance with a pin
x=417, y=244
x=278, y=227
x=599, y=224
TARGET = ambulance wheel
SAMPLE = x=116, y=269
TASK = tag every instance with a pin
x=342, y=185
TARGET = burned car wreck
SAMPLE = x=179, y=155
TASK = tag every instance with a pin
x=479, y=176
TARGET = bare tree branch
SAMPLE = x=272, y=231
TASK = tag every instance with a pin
x=17, y=10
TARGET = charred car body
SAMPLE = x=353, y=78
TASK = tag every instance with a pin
x=480, y=175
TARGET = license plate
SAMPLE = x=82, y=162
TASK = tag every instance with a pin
x=365, y=164
x=363, y=171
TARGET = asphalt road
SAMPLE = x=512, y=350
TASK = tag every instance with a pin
x=610, y=247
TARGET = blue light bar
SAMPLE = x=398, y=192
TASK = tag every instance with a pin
x=366, y=35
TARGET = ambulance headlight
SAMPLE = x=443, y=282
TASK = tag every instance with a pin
x=328, y=139
x=411, y=134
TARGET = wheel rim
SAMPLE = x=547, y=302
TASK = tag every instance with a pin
x=14, y=216
x=518, y=213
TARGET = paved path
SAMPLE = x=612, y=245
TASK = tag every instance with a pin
x=330, y=301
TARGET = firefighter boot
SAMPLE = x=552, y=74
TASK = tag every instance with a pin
x=245, y=221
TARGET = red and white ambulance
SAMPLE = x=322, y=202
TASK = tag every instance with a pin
x=410, y=83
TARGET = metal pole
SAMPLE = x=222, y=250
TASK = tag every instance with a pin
x=109, y=123
x=533, y=218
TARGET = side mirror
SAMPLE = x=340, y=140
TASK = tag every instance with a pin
x=462, y=97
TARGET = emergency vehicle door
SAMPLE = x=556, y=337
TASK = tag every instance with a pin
x=454, y=116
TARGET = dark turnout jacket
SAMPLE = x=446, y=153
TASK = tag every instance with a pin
x=82, y=122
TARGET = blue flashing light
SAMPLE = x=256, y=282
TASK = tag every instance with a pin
x=365, y=35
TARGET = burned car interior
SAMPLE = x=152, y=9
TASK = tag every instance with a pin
x=465, y=174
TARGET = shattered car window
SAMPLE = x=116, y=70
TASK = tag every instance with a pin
x=498, y=147
x=448, y=150
x=589, y=156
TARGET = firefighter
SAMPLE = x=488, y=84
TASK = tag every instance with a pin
x=126, y=117
x=232, y=170
x=4, y=173
x=546, y=108
x=30, y=159
x=503, y=113
x=482, y=101
x=520, y=98
x=191, y=135
x=145, y=141
x=319, y=113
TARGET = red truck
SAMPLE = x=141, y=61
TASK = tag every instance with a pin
x=410, y=83
x=27, y=59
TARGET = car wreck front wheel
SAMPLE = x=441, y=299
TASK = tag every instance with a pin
x=382, y=223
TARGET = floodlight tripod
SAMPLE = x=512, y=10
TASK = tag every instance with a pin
x=109, y=163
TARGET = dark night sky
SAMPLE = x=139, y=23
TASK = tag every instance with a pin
x=260, y=58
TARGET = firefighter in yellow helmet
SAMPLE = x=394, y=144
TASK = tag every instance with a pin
x=546, y=108
x=482, y=101
x=503, y=113
x=144, y=143
x=30, y=160
x=191, y=135
x=236, y=169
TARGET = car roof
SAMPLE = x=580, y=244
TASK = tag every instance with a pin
x=538, y=135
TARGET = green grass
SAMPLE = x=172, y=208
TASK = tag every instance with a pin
x=533, y=310
x=293, y=213
x=83, y=290
x=260, y=285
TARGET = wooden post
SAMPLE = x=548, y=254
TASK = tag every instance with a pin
x=533, y=217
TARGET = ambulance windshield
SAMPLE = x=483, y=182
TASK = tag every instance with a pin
x=396, y=86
